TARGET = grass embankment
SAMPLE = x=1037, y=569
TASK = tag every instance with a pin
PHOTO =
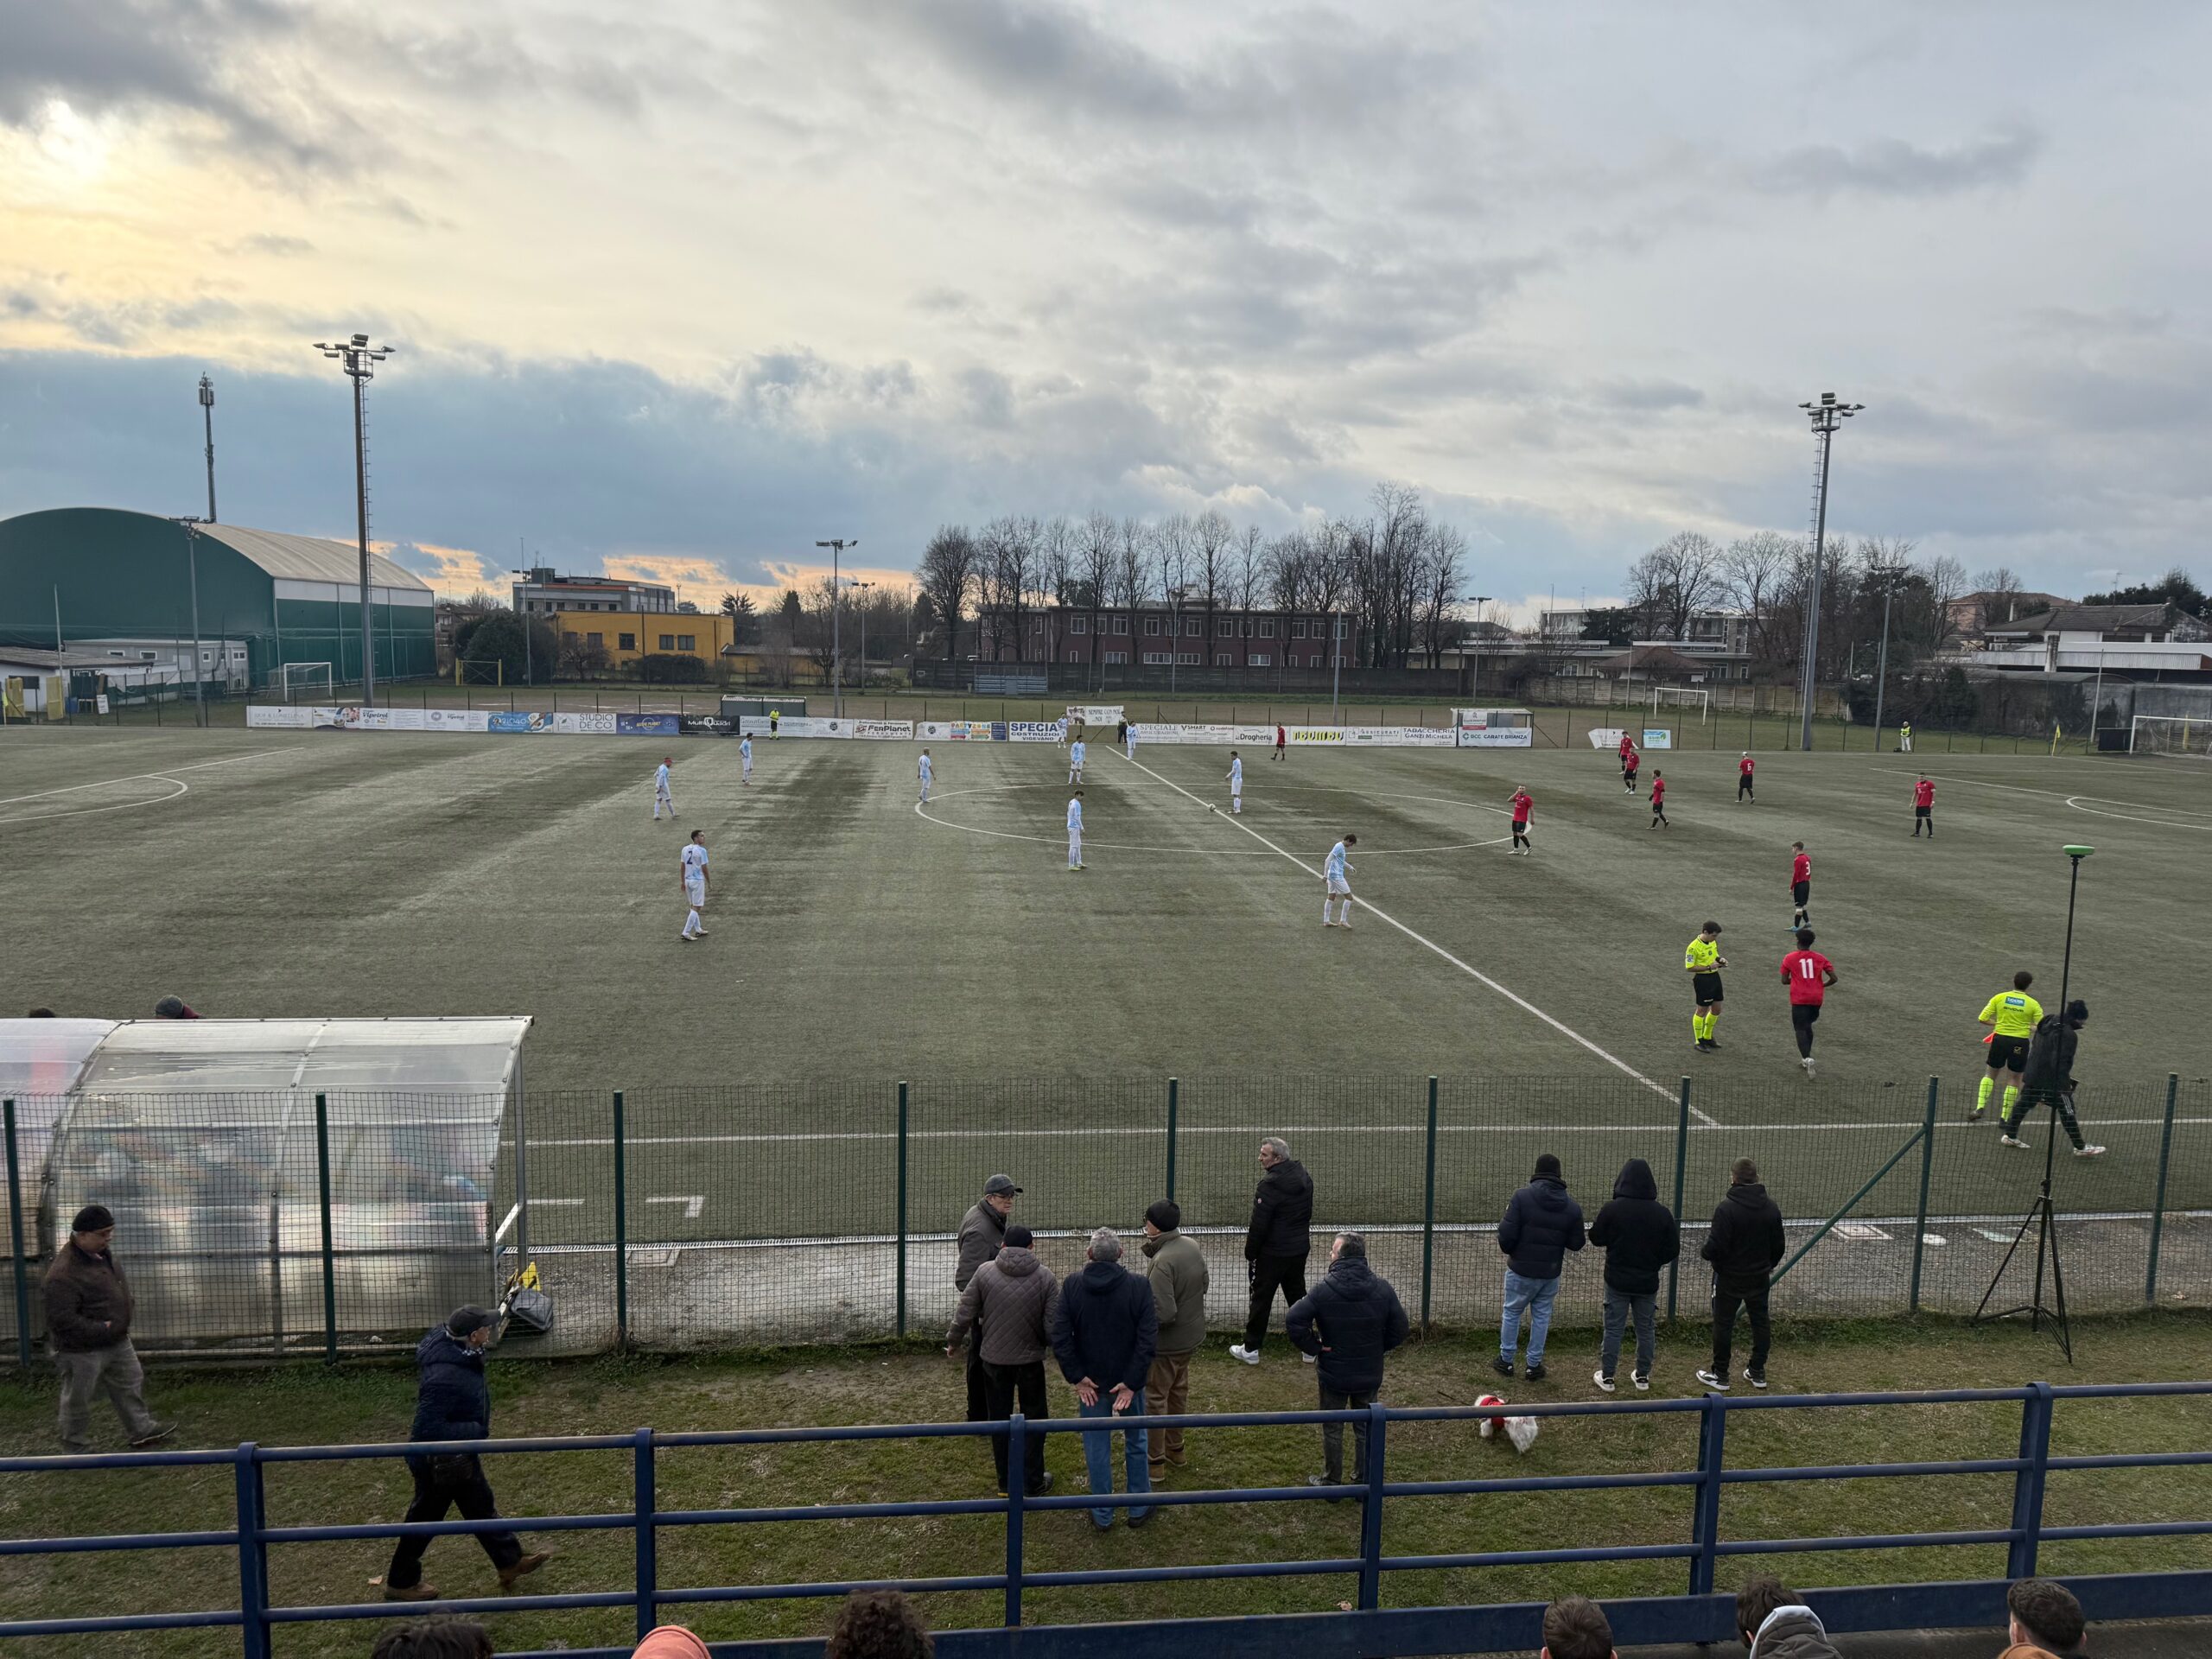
x=306, y=1405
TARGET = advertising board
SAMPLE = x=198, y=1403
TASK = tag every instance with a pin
x=520, y=720
x=647, y=726
x=899, y=730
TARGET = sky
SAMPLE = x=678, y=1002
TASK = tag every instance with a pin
x=678, y=289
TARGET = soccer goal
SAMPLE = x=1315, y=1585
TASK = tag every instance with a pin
x=2188, y=734
x=1664, y=696
x=294, y=678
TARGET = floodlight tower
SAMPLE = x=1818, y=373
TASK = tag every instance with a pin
x=836, y=552
x=1827, y=416
x=207, y=413
x=359, y=359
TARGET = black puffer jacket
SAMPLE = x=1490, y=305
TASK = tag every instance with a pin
x=1541, y=1225
x=1639, y=1234
x=1746, y=1240
x=2050, y=1054
x=452, y=1400
x=1282, y=1213
x=1351, y=1319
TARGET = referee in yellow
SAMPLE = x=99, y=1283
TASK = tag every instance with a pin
x=2013, y=1015
x=1703, y=962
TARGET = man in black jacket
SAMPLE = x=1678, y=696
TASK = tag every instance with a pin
x=1744, y=1245
x=1105, y=1331
x=2049, y=1078
x=1347, y=1322
x=1639, y=1235
x=1277, y=1243
x=1541, y=1225
x=454, y=1402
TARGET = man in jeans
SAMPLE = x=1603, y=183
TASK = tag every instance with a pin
x=1744, y=1245
x=88, y=1320
x=1010, y=1302
x=1348, y=1321
x=1176, y=1269
x=1541, y=1225
x=1639, y=1235
x=1105, y=1335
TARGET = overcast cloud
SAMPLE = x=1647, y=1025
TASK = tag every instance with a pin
x=687, y=292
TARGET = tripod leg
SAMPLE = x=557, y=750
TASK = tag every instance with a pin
x=2043, y=1252
x=2058, y=1290
x=2010, y=1250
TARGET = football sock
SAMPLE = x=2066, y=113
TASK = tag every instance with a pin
x=2011, y=1097
x=1982, y=1103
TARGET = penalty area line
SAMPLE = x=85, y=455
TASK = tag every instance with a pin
x=1431, y=945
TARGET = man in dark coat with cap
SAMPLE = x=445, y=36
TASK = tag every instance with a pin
x=88, y=1321
x=1348, y=1322
x=1541, y=1225
x=983, y=1233
x=454, y=1402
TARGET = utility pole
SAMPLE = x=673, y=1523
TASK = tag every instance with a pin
x=192, y=570
x=207, y=412
x=837, y=553
x=1888, y=575
x=1827, y=416
x=864, y=586
x=360, y=360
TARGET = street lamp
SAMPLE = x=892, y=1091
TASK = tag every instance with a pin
x=192, y=569
x=1827, y=416
x=1481, y=599
x=836, y=547
x=529, y=662
x=359, y=359
x=1887, y=575
x=207, y=413
x=855, y=582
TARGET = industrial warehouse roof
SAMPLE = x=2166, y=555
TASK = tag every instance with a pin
x=310, y=558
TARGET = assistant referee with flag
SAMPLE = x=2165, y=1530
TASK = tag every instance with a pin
x=1703, y=962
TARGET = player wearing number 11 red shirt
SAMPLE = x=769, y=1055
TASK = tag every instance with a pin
x=1808, y=974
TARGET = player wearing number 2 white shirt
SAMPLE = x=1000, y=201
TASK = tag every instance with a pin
x=925, y=771
x=1075, y=830
x=1235, y=783
x=692, y=866
x=745, y=754
x=1337, y=876
x=1075, y=761
x=662, y=796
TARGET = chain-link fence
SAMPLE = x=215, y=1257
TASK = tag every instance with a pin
x=758, y=1213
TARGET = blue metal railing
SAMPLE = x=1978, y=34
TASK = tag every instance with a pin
x=1699, y=1616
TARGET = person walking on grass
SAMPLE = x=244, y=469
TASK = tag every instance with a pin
x=1348, y=1322
x=1808, y=974
x=1176, y=1269
x=1744, y=1244
x=1075, y=830
x=1520, y=806
x=88, y=1308
x=1277, y=1241
x=1743, y=769
x=983, y=1236
x=1335, y=881
x=1640, y=1236
x=1541, y=1225
x=2048, y=1080
x=1104, y=1334
x=1008, y=1304
x=453, y=1402
x=1659, y=799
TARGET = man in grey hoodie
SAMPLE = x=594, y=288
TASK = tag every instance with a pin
x=1639, y=1236
x=1775, y=1624
x=1177, y=1272
x=1009, y=1303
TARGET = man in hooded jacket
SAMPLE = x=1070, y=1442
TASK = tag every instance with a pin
x=1744, y=1244
x=1640, y=1236
x=1775, y=1624
x=1348, y=1322
x=1277, y=1241
x=1541, y=1225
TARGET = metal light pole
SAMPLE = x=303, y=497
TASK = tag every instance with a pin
x=1827, y=416
x=192, y=570
x=1336, y=661
x=207, y=412
x=837, y=553
x=864, y=586
x=359, y=359
x=1888, y=573
x=529, y=662
x=1481, y=599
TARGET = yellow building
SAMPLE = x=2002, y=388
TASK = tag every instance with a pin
x=625, y=636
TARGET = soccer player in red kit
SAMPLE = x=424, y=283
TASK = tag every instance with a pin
x=1659, y=799
x=1522, y=802
x=1279, y=743
x=1801, y=883
x=1808, y=974
x=1629, y=762
x=1924, y=808
x=1743, y=778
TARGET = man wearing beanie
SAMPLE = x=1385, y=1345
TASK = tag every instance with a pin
x=88, y=1321
x=1008, y=1304
x=454, y=1402
x=1177, y=1273
x=2049, y=1078
x=1541, y=1225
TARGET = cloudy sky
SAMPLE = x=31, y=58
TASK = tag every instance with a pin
x=680, y=287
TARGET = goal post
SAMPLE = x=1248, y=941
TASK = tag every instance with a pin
x=293, y=679
x=1683, y=696
x=2183, y=734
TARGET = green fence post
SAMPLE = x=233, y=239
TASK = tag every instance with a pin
x=1428, y=1211
x=621, y=1232
x=1920, y=1215
x=1173, y=1089
x=1682, y=1168
x=2158, y=1203
x=17, y=1271
x=902, y=1210
x=329, y=1261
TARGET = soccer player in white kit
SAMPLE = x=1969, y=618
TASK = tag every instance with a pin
x=925, y=772
x=1075, y=761
x=1132, y=750
x=745, y=754
x=661, y=795
x=692, y=865
x=1235, y=783
x=1075, y=830
x=1336, y=875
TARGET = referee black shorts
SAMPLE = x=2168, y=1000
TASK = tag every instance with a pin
x=1707, y=989
x=2008, y=1054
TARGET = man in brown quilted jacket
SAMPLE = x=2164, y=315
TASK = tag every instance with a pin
x=1009, y=1302
x=88, y=1322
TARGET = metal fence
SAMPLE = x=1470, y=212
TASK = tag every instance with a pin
x=756, y=1214
x=1699, y=1614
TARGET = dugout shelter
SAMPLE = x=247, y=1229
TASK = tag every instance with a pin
x=204, y=1138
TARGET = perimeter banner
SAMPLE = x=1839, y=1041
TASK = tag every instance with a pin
x=585, y=725
x=456, y=720
x=1032, y=731
x=707, y=725
x=520, y=720
x=795, y=726
x=264, y=715
x=893, y=730
x=647, y=726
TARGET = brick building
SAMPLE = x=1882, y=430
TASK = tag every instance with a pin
x=1156, y=635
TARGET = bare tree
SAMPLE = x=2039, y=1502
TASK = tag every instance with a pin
x=2000, y=589
x=1753, y=571
x=1054, y=578
x=1673, y=583
x=1094, y=554
x=1132, y=564
x=1290, y=566
x=1250, y=574
x=1442, y=549
x=1173, y=547
x=948, y=576
x=1212, y=538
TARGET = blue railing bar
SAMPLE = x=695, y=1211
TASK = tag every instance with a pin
x=445, y=1448
x=1204, y=1570
x=1173, y=1500
x=1872, y=1540
x=800, y=1436
x=2130, y=1530
x=448, y=1528
x=1537, y=1557
x=451, y=1605
x=794, y=1591
x=1876, y=1471
x=120, y=1621
x=2130, y=1460
x=2125, y=1390
x=825, y=1512
x=119, y=1541
x=1736, y=1402
x=1537, y=1483
x=1055, y=1425
x=62, y=1460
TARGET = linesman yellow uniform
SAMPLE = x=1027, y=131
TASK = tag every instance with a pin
x=2014, y=1014
x=1701, y=961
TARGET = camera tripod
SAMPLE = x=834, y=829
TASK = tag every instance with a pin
x=2041, y=1217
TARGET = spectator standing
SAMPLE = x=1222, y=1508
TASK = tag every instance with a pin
x=2044, y=1615
x=1348, y=1322
x=1576, y=1627
x=436, y=1638
x=1176, y=1269
x=1744, y=1244
x=982, y=1230
x=1010, y=1305
x=1278, y=1241
x=454, y=1402
x=2050, y=1077
x=1639, y=1235
x=1105, y=1335
x=876, y=1624
x=1541, y=1225
x=88, y=1310
x=1775, y=1624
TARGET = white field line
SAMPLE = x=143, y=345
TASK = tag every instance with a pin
x=163, y=775
x=179, y=789
x=1473, y=973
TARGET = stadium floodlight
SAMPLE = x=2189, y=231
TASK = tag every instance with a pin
x=359, y=359
x=207, y=412
x=1887, y=575
x=1826, y=416
x=192, y=571
x=836, y=547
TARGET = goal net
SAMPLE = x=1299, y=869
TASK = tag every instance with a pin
x=1674, y=696
x=2171, y=735
x=296, y=679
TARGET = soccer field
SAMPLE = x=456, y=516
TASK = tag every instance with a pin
x=857, y=941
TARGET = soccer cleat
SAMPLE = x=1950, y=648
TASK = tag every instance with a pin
x=701, y=934
x=1757, y=1379
x=683, y=938
x=1643, y=1383
x=2009, y=1139
x=2079, y=1152
x=1238, y=1350
x=1713, y=1043
x=1808, y=1064
x=1605, y=1383
x=1719, y=1384
x=1974, y=1116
